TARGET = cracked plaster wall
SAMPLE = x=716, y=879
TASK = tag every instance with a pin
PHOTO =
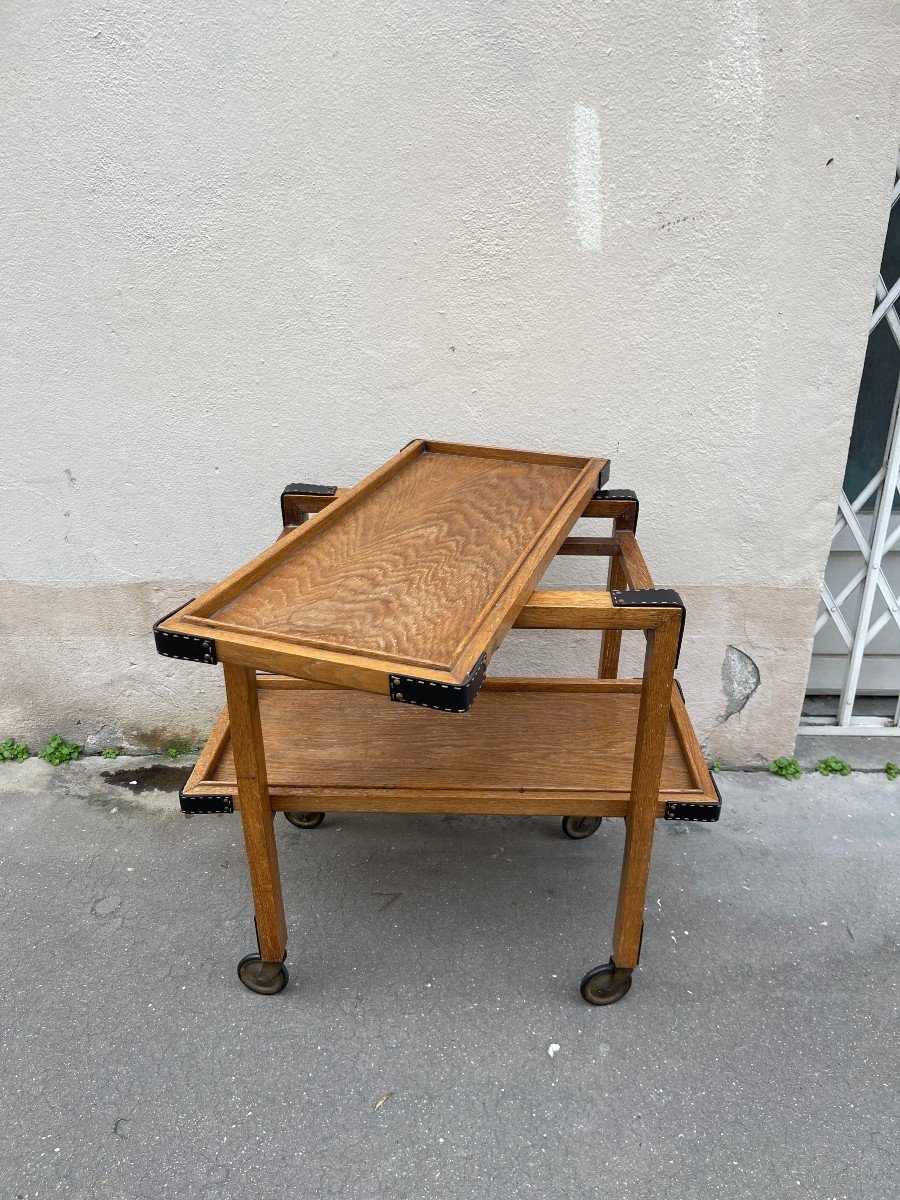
x=253, y=244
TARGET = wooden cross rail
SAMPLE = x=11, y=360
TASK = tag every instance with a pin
x=296, y=507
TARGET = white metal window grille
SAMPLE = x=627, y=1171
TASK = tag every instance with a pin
x=867, y=527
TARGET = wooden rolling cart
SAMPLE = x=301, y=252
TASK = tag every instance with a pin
x=400, y=589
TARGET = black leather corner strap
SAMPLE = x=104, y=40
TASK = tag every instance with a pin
x=621, y=494
x=209, y=803
x=652, y=598
x=604, y=473
x=686, y=810
x=445, y=697
x=305, y=489
x=189, y=646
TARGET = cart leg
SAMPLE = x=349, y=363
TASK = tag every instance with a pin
x=606, y=984
x=265, y=972
x=611, y=641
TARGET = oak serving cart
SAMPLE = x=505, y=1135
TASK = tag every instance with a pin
x=355, y=651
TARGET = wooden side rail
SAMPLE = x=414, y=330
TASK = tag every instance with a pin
x=569, y=609
x=296, y=506
x=636, y=574
x=624, y=511
x=626, y=570
x=590, y=546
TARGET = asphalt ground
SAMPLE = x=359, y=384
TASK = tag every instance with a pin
x=434, y=972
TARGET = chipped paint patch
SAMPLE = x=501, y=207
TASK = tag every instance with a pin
x=585, y=198
x=740, y=679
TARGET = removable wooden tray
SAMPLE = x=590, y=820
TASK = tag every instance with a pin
x=415, y=574
x=540, y=746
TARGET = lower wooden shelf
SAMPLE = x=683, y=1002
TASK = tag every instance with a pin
x=529, y=746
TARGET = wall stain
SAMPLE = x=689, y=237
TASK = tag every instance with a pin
x=156, y=778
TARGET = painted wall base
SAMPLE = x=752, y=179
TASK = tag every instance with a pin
x=81, y=662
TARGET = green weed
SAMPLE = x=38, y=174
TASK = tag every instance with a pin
x=178, y=747
x=59, y=751
x=833, y=766
x=787, y=768
x=12, y=751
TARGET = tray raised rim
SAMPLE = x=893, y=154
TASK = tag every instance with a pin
x=370, y=670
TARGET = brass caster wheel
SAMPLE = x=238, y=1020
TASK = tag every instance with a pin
x=580, y=827
x=264, y=978
x=305, y=820
x=607, y=984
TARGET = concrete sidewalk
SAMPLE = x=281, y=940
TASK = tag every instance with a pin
x=434, y=962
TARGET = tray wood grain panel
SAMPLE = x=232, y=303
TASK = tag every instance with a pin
x=421, y=567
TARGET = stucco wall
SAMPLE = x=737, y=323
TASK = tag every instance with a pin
x=245, y=244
